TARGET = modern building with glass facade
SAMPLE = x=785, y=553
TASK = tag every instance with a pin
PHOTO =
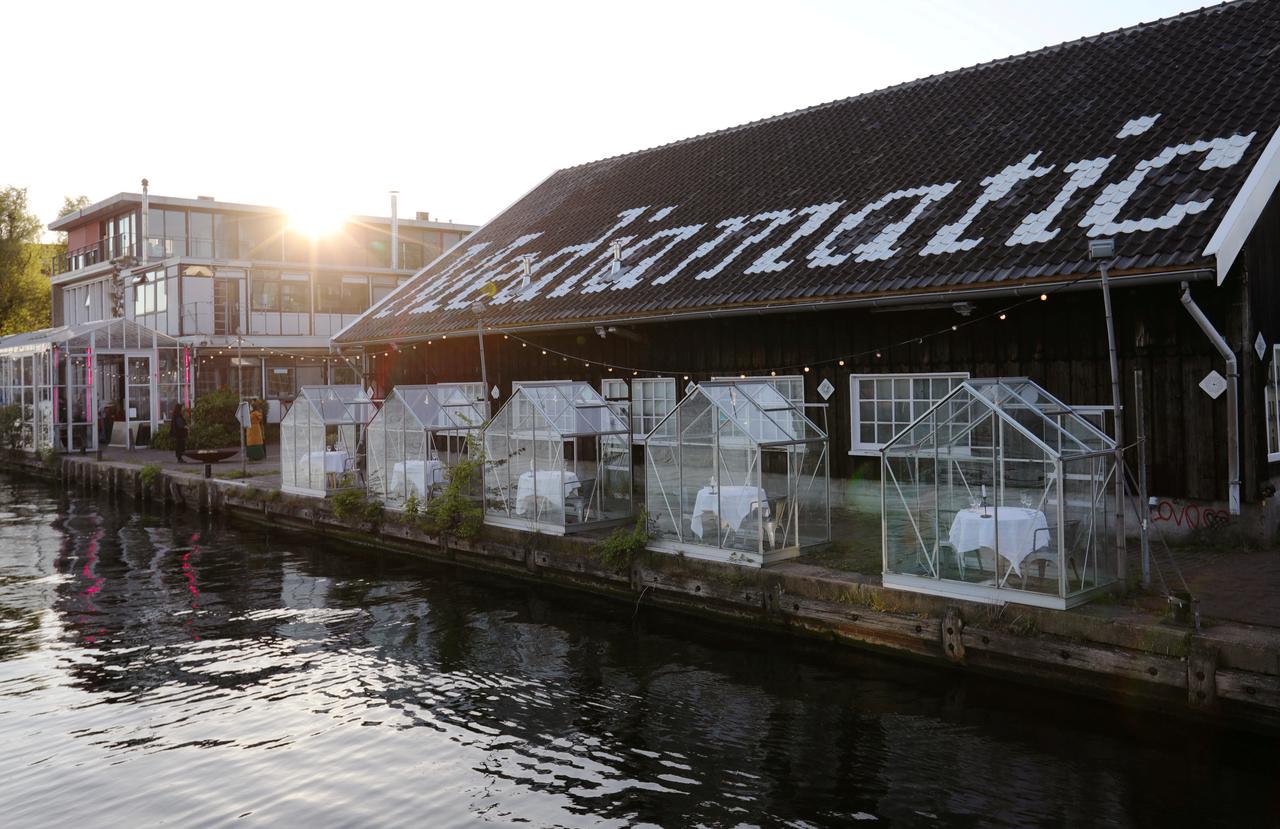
x=248, y=294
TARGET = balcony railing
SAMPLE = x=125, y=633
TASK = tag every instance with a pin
x=103, y=250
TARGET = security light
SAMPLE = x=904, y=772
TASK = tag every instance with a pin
x=964, y=309
x=1102, y=248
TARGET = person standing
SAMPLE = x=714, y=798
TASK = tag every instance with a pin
x=178, y=428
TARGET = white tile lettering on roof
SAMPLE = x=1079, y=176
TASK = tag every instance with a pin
x=1034, y=228
x=947, y=239
x=881, y=247
x=631, y=277
x=1101, y=218
x=818, y=215
x=775, y=219
x=728, y=228
x=1137, y=126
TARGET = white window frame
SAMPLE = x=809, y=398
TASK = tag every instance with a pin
x=858, y=446
x=642, y=423
x=617, y=394
x=778, y=381
x=1272, y=406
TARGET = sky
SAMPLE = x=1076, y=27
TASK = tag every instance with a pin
x=323, y=108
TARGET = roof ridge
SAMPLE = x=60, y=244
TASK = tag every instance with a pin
x=1203, y=10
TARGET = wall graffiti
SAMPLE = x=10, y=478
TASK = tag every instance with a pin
x=1189, y=516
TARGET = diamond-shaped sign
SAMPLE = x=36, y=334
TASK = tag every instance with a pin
x=826, y=389
x=1213, y=384
x=493, y=392
x=688, y=389
x=1260, y=346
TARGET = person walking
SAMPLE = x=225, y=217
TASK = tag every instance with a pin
x=178, y=428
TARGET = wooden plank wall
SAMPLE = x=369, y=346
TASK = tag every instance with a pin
x=1060, y=343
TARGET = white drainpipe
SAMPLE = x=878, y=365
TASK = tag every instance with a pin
x=1233, y=396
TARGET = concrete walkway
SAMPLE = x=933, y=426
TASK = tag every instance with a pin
x=1241, y=587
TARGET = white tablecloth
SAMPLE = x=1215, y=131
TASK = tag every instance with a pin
x=549, y=487
x=1017, y=527
x=732, y=503
x=333, y=463
x=421, y=474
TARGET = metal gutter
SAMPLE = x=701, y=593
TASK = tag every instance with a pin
x=1199, y=274
x=1233, y=396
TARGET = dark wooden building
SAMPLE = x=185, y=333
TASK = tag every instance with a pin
x=875, y=247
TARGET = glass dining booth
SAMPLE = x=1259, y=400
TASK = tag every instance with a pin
x=320, y=440
x=419, y=434
x=737, y=473
x=1000, y=493
x=79, y=387
x=557, y=459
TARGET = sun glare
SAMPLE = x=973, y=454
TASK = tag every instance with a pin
x=315, y=219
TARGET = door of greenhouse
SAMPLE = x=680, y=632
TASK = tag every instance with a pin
x=137, y=404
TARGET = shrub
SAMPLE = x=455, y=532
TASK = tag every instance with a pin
x=621, y=547
x=353, y=505
x=162, y=439
x=453, y=513
x=411, y=506
x=213, y=421
x=49, y=457
x=10, y=425
x=149, y=475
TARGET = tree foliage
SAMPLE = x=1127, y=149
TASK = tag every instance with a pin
x=24, y=287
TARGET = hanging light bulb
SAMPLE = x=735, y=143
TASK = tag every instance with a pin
x=1003, y=316
x=841, y=362
x=877, y=355
x=1044, y=297
x=806, y=369
x=773, y=374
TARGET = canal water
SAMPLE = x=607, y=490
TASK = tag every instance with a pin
x=169, y=670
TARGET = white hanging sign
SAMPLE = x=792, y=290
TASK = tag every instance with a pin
x=825, y=389
x=493, y=392
x=1260, y=346
x=1213, y=384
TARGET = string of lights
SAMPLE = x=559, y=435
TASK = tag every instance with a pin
x=1000, y=314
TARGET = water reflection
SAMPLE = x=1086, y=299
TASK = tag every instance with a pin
x=168, y=670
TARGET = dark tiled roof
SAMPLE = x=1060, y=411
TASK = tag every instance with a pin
x=982, y=176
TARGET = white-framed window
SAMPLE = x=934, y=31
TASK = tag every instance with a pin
x=1273, y=406
x=615, y=390
x=884, y=404
x=652, y=399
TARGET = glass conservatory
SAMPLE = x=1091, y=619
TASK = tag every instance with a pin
x=1000, y=493
x=737, y=472
x=419, y=433
x=557, y=460
x=320, y=440
x=78, y=387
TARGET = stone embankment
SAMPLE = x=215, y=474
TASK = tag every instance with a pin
x=1226, y=673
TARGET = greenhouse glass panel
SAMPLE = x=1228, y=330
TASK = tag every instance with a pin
x=320, y=440
x=417, y=438
x=737, y=473
x=557, y=460
x=1000, y=493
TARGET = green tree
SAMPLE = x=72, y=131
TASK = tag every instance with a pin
x=71, y=205
x=24, y=287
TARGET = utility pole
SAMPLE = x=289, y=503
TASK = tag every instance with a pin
x=477, y=308
x=1103, y=251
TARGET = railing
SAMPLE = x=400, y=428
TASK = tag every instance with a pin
x=103, y=250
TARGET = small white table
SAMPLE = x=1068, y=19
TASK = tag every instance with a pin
x=547, y=485
x=329, y=461
x=1011, y=530
x=422, y=475
x=732, y=504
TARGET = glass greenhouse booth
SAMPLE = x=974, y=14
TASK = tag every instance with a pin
x=1000, y=493
x=557, y=460
x=320, y=440
x=738, y=473
x=81, y=387
x=419, y=434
